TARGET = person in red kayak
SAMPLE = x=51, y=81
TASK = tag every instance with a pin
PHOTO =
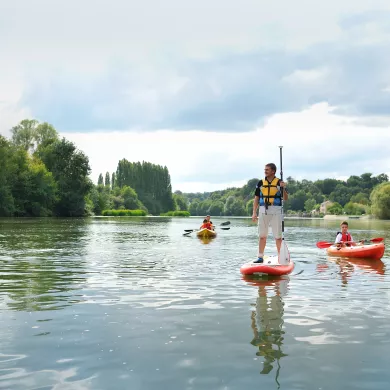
x=344, y=238
x=268, y=195
x=208, y=220
x=206, y=225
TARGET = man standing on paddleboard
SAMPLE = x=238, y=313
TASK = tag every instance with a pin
x=268, y=196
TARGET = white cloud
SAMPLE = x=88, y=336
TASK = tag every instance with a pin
x=148, y=43
x=316, y=144
x=306, y=76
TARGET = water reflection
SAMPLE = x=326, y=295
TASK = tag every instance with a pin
x=41, y=264
x=349, y=266
x=267, y=322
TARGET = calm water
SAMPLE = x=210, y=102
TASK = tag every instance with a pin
x=125, y=303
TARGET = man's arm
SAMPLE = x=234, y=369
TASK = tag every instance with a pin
x=255, y=206
x=285, y=193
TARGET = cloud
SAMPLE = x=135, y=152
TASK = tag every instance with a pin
x=101, y=65
x=209, y=89
x=316, y=144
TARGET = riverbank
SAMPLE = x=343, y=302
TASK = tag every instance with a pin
x=346, y=217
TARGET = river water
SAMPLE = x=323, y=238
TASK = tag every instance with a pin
x=131, y=303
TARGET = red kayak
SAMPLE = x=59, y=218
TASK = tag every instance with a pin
x=271, y=266
x=370, y=251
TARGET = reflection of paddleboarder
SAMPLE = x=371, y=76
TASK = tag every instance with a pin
x=267, y=324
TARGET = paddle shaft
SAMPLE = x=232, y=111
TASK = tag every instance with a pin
x=281, y=189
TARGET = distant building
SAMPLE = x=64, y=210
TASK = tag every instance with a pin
x=324, y=206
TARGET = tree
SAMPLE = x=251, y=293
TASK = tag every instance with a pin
x=216, y=208
x=194, y=205
x=107, y=180
x=130, y=198
x=181, y=201
x=234, y=206
x=23, y=134
x=341, y=194
x=335, y=209
x=113, y=180
x=249, y=207
x=361, y=198
x=380, y=201
x=70, y=169
x=29, y=134
x=45, y=134
x=310, y=204
x=352, y=208
x=7, y=206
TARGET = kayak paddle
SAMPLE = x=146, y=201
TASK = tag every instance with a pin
x=222, y=224
x=188, y=231
x=326, y=244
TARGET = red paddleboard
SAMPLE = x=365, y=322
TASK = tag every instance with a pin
x=270, y=266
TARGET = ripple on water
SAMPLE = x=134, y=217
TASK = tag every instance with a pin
x=131, y=303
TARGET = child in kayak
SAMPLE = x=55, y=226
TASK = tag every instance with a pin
x=208, y=220
x=206, y=225
x=344, y=238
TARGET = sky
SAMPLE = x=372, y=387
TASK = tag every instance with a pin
x=210, y=89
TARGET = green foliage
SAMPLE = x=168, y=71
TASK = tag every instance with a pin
x=352, y=208
x=304, y=196
x=335, y=209
x=26, y=186
x=107, y=180
x=310, y=204
x=100, y=180
x=70, y=169
x=151, y=182
x=124, y=213
x=29, y=134
x=176, y=213
x=130, y=198
x=181, y=201
x=234, y=206
x=113, y=180
x=380, y=201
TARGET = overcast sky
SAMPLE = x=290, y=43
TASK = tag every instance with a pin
x=208, y=88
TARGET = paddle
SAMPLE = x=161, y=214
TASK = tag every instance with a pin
x=284, y=255
x=222, y=224
x=189, y=231
x=326, y=244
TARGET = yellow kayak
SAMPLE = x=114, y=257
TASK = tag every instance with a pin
x=205, y=233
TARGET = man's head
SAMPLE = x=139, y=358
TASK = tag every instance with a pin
x=270, y=169
x=208, y=218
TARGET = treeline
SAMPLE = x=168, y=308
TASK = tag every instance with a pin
x=364, y=194
x=43, y=175
x=142, y=186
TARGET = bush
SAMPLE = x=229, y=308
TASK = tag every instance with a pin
x=124, y=213
x=176, y=213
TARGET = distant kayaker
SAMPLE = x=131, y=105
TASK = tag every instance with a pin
x=206, y=225
x=208, y=220
x=268, y=196
x=344, y=238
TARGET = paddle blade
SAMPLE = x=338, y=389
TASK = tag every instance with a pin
x=225, y=223
x=377, y=239
x=189, y=230
x=284, y=255
x=225, y=228
x=324, y=244
x=186, y=234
